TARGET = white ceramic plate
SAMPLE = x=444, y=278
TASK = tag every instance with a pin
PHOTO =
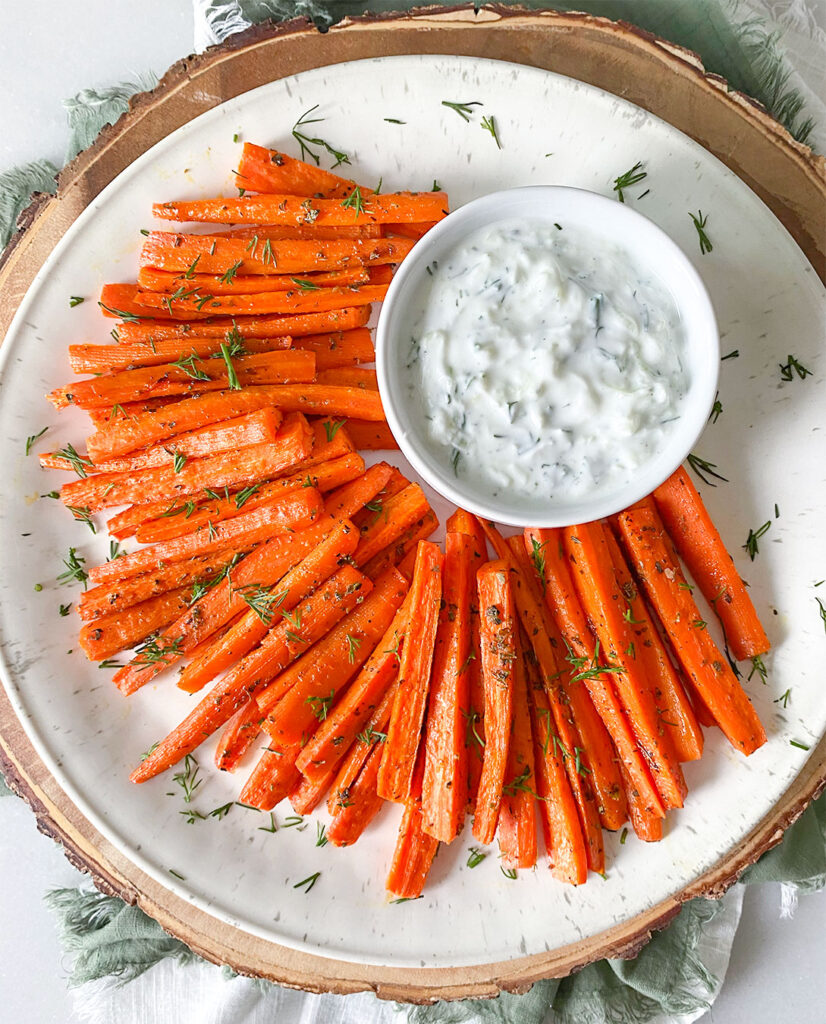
x=769, y=442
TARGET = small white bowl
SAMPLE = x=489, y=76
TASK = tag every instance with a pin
x=650, y=247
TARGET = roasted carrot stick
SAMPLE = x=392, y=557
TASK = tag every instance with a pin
x=353, y=496
x=415, y=849
x=517, y=812
x=552, y=565
x=263, y=567
x=701, y=548
x=415, y=231
x=347, y=769
x=349, y=377
x=402, y=552
x=238, y=735
x=178, y=519
x=284, y=366
x=290, y=303
x=151, y=280
x=120, y=300
x=272, y=779
x=283, y=644
x=362, y=805
x=185, y=477
x=339, y=348
x=464, y=522
x=117, y=631
x=122, y=594
x=647, y=824
x=672, y=702
x=497, y=616
x=335, y=734
x=123, y=356
x=602, y=599
x=399, y=754
x=326, y=234
x=564, y=839
x=305, y=796
x=371, y=436
x=386, y=208
x=217, y=254
x=444, y=788
x=657, y=565
x=239, y=640
x=398, y=514
x=299, y=699
x=268, y=170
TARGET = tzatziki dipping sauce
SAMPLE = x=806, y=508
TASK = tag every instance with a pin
x=542, y=363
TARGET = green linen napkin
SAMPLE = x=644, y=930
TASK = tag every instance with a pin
x=671, y=975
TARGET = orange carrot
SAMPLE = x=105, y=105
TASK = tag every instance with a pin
x=647, y=824
x=285, y=366
x=415, y=231
x=217, y=254
x=283, y=644
x=339, y=348
x=551, y=563
x=267, y=170
x=345, y=770
x=332, y=740
x=657, y=565
x=701, y=548
x=362, y=805
x=326, y=234
x=128, y=356
x=238, y=468
x=305, y=796
x=151, y=280
x=386, y=208
x=297, y=700
x=402, y=552
x=349, y=377
x=116, y=631
x=238, y=735
x=119, y=300
x=415, y=849
x=602, y=599
x=399, y=513
x=355, y=495
x=291, y=303
x=499, y=651
x=444, y=788
x=272, y=779
x=517, y=811
x=564, y=839
x=238, y=640
x=371, y=436
x=399, y=754
x=672, y=702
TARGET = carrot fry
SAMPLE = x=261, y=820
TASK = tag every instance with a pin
x=564, y=839
x=239, y=640
x=337, y=732
x=128, y=356
x=217, y=254
x=151, y=280
x=386, y=208
x=402, y=553
x=326, y=234
x=297, y=700
x=238, y=735
x=339, y=348
x=399, y=512
x=551, y=563
x=657, y=565
x=415, y=849
x=238, y=468
x=117, y=631
x=267, y=170
x=273, y=778
x=672, y=702
x=371, y=436
x=285, y=366
x=444, y=787
x=120, y=300
x=362, y=805
x=122, y=594
x=602, y=599
x=647, y=825
x=306, y=795
x=517, y=811
x=355, y=495
x=399, y=755
x=291, y=303
x=498, y=649
x=346, y=768
x=701, y=548
x=282, y=645
x=349, y=377
x=415, y=231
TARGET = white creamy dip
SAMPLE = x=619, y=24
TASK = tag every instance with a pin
x=543, y=362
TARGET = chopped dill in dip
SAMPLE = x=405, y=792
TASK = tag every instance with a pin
x=543, y=362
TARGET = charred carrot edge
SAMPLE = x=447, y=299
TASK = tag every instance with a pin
x=564, y=839
x=702, y=549
x=346, y=770
x=297, y=700
x=657, y=565
x=543, y=637
x=239, y=640
x=399, y=754
x=516, y=826
x=551, y=562
x=415, y=849
x=371, y=437
x=272, y=779
x=356, y=494
x=238, y=735
x=386, y=208
x=362, y=805
x=676, y=712
x=444, y=787
x=499, y=651
x=268, y=170
x=338, y=731
x=117, y=631
x=318, y=613
x=595, y=581
x=262, y=567
x=464, y=522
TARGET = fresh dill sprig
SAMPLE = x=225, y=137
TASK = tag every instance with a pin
x=489, y=125
x=307, y=142
x=30, y=440
x=75, y=571
x=791, y=367
x=354, y=202
x=751, y=546
x=700, y=224
x=464, y=110
x=629, y=178
x=701, y=466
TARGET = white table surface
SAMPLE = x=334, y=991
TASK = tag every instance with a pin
x=50, y=49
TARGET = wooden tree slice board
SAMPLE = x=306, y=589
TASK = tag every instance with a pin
x=666, y=80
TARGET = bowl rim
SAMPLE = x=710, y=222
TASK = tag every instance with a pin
x=701, y=334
